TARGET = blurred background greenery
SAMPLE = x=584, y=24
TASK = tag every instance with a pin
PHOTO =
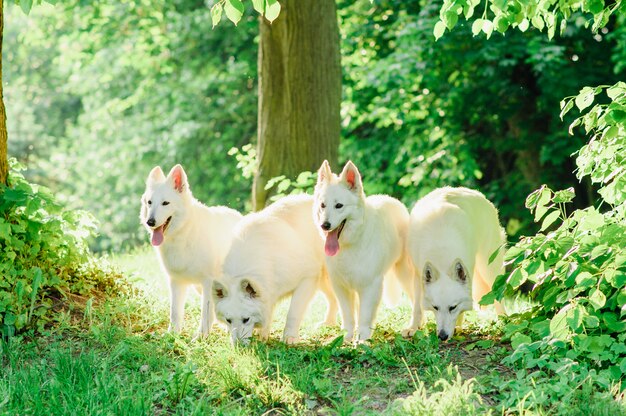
x=97, y=94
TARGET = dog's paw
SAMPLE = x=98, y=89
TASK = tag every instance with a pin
x=409, y=332
x=199, y=336
x=290, y=340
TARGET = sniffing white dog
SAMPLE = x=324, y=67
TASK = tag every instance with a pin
x=364, y=241
x=452, y=234
x=191, y=240
x=276, y=253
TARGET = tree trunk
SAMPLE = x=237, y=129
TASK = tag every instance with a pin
x=4, y=164
x=299, y=92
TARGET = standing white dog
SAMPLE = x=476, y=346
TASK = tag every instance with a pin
x=364, y=240
x=452, y=234
x=191, y=240
x=276, y=253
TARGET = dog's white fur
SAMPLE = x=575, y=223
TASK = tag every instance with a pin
x=191, y=246
x=452, y=234
x=370, y=245
x=275, y=253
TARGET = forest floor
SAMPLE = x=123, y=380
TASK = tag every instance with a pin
x=113, y=356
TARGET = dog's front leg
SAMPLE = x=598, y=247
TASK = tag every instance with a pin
x=346, y=299
x=207, y=314
x=299, y=302
x=416, y=319
x=178, y=293
x=369, y=299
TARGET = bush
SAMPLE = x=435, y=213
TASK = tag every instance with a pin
x=577, y=270
x=44, y=255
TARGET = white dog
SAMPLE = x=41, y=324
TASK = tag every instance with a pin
x=364, y=240
x=191, y=240
x=276, y=253
x=452, y=234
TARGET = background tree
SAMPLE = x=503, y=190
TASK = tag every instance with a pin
x=4, y=166
x=299, y=92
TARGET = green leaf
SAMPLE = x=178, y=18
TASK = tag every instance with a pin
x=450, y=18
x=234, y=10
x=597, y=299
x=559, y=327
x=565, y=195
x=585, y=98
x=537, y=22
x=575, y=317
x=26, y=5
x=518, y=339
x=523, y=26
x=440, y=28
x=613, y=323
x=259, y=6
x=550, y=219
x=616, y=91
x=272, y=10
x=216, y=16
x=516, y=278
x=487, y=28
x=565, y=107
x=501, y=23
x=5, y=230
x=477, y=26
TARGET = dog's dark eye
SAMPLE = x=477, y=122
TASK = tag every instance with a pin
x=339, y=206
x=149, y=202
x=229, y=321
x=245, y=320
x=323, y=205
x=436, y=308
x=451, y=308
x=166, y=203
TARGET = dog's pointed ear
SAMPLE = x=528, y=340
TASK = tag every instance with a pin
x=248, y=288
x=178, y=178
x=429, y=274
x=219, y=290
x=460, y=273
x=324, y=173
x=156, y=175
x=351, y=176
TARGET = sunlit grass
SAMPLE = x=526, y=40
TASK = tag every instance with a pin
x=116, y=358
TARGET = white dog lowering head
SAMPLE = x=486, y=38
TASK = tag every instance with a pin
x=448, y=294
x=336, y=206
x=164, y=200
x=239, y=306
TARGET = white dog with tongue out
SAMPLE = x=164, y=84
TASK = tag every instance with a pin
x=191, y=240
x=365, y=240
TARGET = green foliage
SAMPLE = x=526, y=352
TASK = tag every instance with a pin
x=281, y=185
x=500, y=15
x=113, y=89
x=578, y=269
x=44, y=255
x=456, y=397
x=234, y=10
x=464, y=110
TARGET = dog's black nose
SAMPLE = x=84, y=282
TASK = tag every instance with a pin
x=326, y=226
x=443, y=335
x=151, y=222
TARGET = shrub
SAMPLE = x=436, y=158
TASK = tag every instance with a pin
x=44, y=256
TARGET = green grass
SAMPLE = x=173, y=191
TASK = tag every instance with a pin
x=114, y=357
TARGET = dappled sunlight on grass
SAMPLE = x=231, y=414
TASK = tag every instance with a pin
x=116, y=356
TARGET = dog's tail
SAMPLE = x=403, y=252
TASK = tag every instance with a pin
x=392, y=290
x=398, y=276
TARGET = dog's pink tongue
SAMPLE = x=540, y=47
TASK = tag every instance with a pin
x=157, y=236
x=332, y=242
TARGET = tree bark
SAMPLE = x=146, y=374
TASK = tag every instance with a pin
x=4, y=164
x=299, y=92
